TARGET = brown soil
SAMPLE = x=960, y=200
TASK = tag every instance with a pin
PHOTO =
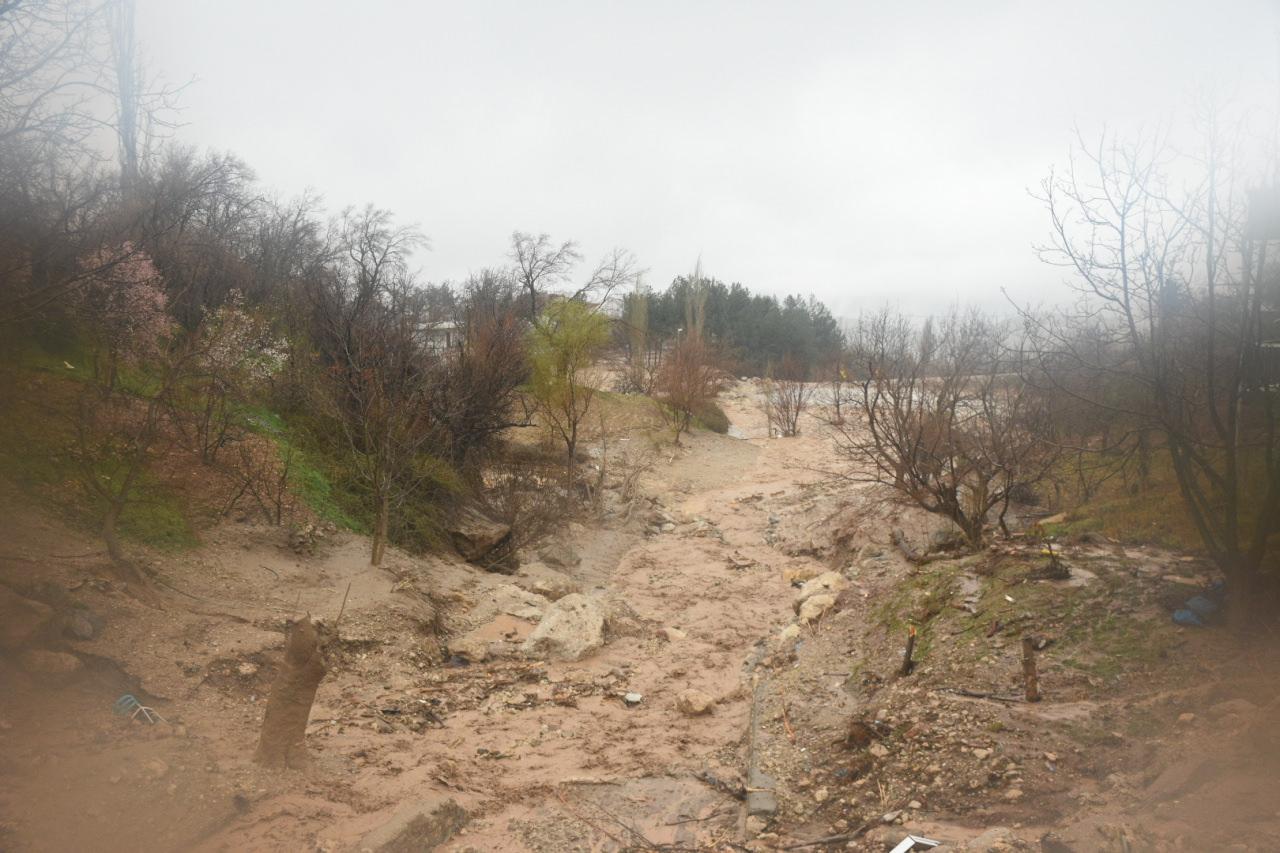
x=1157, y=745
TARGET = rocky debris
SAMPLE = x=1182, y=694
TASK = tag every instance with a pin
x=51, y=667
x=827, y=583
x=81, y=623
x=553, y=585
x=417, y=826
x=998, y=839
x=918, y=545
x=560, y=554
x=814, y=608
x=482, y=541
x=788, y=634
x=621, y=619
x=570, y=629
x=694, y=702
x=514, y=601
x=660, y=521
x=303, y=540
x=22, y=620
x=472, y=646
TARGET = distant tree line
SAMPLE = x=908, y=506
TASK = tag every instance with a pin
x=753, y=331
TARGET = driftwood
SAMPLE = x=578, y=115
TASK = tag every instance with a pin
x=284, y=727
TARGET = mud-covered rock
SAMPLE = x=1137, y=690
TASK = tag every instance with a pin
x=553, y=585
x=694, y=702
x=483, y=541
x=827, y=583
x=22, y=620
x=814, y=607
x=514, y=601
x=560, y=554
x=417, y=826
x=51, y=667
x=80, y=623
x=571, y=628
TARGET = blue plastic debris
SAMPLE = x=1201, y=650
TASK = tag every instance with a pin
x=1202, y=606
x=1188, y=618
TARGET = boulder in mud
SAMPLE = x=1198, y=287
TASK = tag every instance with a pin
x=571, y=628
x=51, y=667
x=483, y=541
x=553, y=585
x=560, y=554
x=621, y=619
x=814, y=607
x=22, y=620
x=417, y=826
x=471, y=646
x=514, y=601
x=694, y=703
x=80, y=623
x=827, y=583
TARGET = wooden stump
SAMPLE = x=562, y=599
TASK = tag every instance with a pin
x=1030, y=679
x=284, y=727
x=907, y=663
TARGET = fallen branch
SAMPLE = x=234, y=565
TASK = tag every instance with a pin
x=831, y=839
x=694, y=819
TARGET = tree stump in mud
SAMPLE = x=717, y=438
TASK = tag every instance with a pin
x=1030, y=678
x=284, y=727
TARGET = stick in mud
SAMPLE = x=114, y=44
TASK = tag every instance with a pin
x=1030, y=679
x=907, y=663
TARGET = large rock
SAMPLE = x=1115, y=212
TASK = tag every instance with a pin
x=514, y=601
x=80, y=623
x=560, y=554
x=51, y=667
x=571, y=628
x=549, y=583
x=694, y=703
x=814, y=607
x=416, y=827
x=827, y=583
x=22, y=620
x=483, y=541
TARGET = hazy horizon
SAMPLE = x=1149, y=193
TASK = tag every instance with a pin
x=862, y=153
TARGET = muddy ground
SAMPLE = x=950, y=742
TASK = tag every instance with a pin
x=1149, y=736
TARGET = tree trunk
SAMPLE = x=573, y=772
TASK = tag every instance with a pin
x=380, y=530
x=284, y=727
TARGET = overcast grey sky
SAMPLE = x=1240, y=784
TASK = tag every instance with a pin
x=860, y=151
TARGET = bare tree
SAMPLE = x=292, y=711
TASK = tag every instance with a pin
x=689, y=381
x=945, y=417
x=786, y=396
x=539, y=263
x=377, y=376
x=1177, y=282
x=617, y=269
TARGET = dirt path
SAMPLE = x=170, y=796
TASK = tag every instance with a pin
x=549, y=756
